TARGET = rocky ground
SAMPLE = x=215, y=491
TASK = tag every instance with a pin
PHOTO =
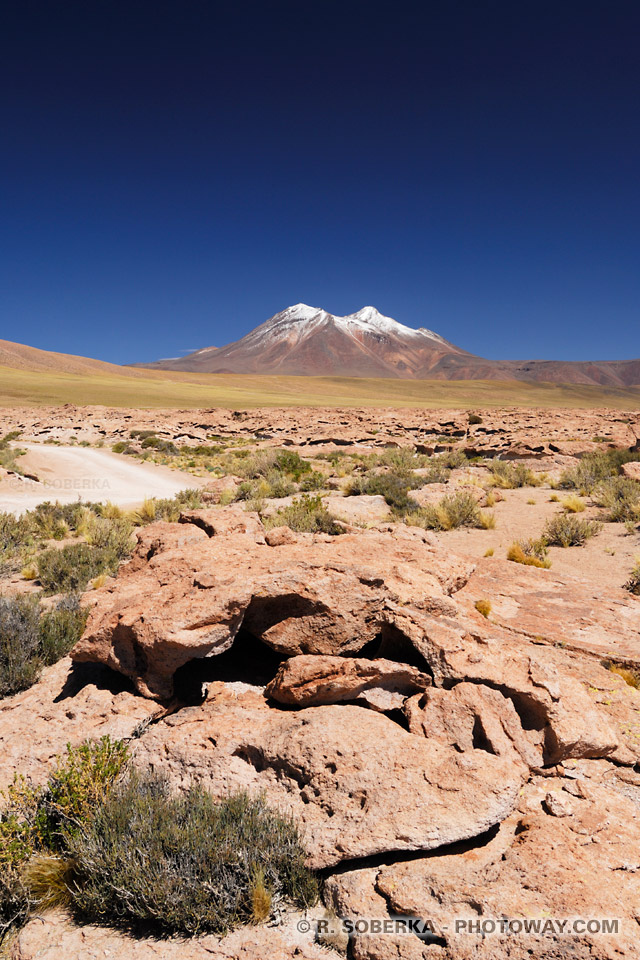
x=445, y=726
x=514, y=431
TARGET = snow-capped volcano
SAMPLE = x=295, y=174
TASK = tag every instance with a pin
x=311, y=341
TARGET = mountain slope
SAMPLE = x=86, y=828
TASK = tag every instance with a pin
x=19, y=356
x=306, y=341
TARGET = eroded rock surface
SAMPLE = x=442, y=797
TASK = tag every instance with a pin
x=358, y=782
x=190, y=587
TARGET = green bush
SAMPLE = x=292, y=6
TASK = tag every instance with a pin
x=31, y=638
x=162, y=446
x=8, y=454
x=568, y=530
x=70, y=569
x=60, y=629
x=621, y=497
x=305, y=515
x=185, y=864
x=314, y=480
x=473, y=419
x=394, y=487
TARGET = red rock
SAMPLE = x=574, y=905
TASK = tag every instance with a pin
x=309, y=681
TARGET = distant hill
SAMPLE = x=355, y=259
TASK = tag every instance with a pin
x=306, y=341
x=18, y=356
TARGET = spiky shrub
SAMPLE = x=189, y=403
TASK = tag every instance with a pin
x=531, y=552
x=307, y=514
x=568, y=530
x=621, y=498
x=573, y=504
x=185, y=864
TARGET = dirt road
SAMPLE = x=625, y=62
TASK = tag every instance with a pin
x=70, y=473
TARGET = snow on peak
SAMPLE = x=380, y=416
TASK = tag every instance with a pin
x=371, y=320
x=299, y=319
x=300, y=311
x=432, y=335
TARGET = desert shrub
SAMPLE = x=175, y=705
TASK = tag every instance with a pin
x=8, y=454
x=70, y=569
x=473, y=419
x=567, y=530
x=185, y=864
x=31, y=638
x=454, y=510
x=509, y=475
x=273, y=485
x=314, y=480
x=17, y=538
x=19, y=643
x=168, y=509
x=533, y=553
x=483, y=607
x=621, y=498
x=35, y=822
x=305, y=515
x=290, y=462
x=633, y=583
x=160, y=445
x=14, y=900
x=121, y=446
x=394, y=487
x=573, y=504
x=60, y=629
x=593, y=468
x=629, y=675
x=114, y=536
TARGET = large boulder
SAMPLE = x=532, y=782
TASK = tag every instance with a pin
x=190, y=587
x=357, y=782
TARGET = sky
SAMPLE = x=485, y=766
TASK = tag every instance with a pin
x=174, y=173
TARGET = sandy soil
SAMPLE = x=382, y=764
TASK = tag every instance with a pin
x=607, y=558
x=70, y=473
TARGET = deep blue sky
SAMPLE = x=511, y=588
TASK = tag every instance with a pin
x=173, y=173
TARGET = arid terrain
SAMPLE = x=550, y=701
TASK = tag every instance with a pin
x=413, y=634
